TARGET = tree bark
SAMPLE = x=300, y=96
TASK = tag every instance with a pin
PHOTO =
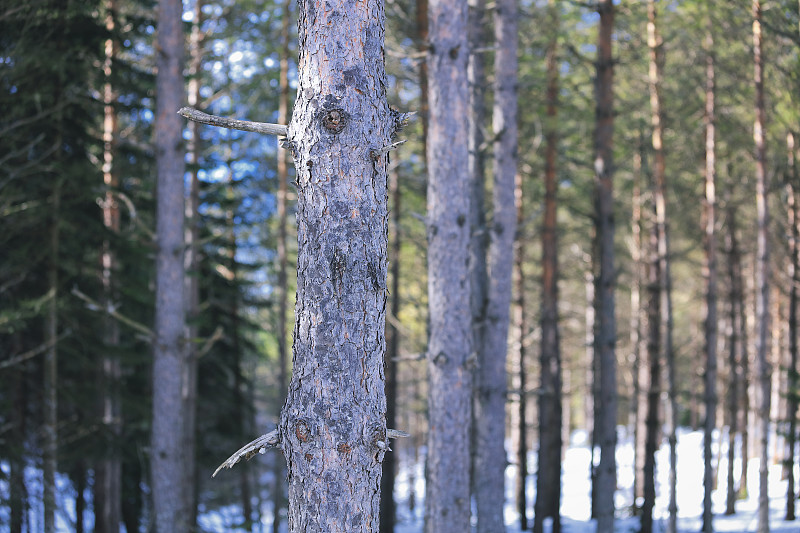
x=793, y=211
x=735, y=350
x=640, y=366
x=332, y=427
x=605, y=338
x=108, y=470
x=711, y=289
x=279, y=466
x=762, y=271
x=447, y=502
x=548, y=479
x=519, y=320
x=192, y=277
x=167, y=461
x=655, y=44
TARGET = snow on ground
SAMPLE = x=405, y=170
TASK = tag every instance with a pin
x=575, y=499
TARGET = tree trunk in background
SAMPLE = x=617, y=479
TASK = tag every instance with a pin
x=762, y=271
x=447, y=501
x=392, y=352
x=518, y=319
x=191, y=274
x=107, y=488
x=591, y=403
x=422, y=41
x=605, y=338
x=333, y=426
x=167, y=460
x=654, y=44
x=735, y=353
x=711, y=288
x=793, y=211
x=640, y=368
x=654, y=385
x=482, y=482
x=548, y=479
x=279, y=465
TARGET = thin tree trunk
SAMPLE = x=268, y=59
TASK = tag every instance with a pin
x=50, y=443
x=605, y=339
x=762, y=272
x=282, y=258
x=392, y=352
x=108, y=471
x=735, y=351
x=640, y=368
x=654, y=388
x=167, y=460
x=519, y=318
x=548, y=479
x=447, y=502
x=711, y=288
x=333, y=427
x=592, y=385
x=655, y=44
x=794, y=275
x=192, y=278
x=482, y=477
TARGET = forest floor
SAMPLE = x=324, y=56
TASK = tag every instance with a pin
x=576, y=491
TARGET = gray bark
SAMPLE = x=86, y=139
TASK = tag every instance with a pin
x=490, y=407
x=167, y=461
x=548, y=478
x=332, y=426
x=606, y=330
x=447, y=502
x=762, y=272
x=792, y=371
x=711, y=291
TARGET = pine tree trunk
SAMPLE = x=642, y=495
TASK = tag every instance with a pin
x=107, y=488
x=762, y=272
x=483, y=478
x=332, y=427
x=793, y=211
x=548, y=499
x=791, y=372
x=659, y=195
x=447, y=502
x=711, y=289
x=279, y=466
x=735, y=351
x=192, y=277
x=519, y=320
x=640, y=368
x=167, y=461
x=605, y=339
x=392, y=352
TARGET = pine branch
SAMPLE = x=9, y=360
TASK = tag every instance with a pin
x=232, y=123
x=259, y=445
x=111, y=311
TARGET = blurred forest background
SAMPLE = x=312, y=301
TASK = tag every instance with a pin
x=77, y=255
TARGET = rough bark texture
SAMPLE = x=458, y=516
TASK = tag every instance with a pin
x=108, y=470
x=548, y=479
x=332, y=427
x=606, y=330
x=711, y=291
x=792, y=371
x=447, y=502
x=167, y=464
x=519, y=320
x=279, y=468
x=762, y=272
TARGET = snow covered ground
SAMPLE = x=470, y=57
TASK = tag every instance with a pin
x=575, y=501
x=576, y=491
